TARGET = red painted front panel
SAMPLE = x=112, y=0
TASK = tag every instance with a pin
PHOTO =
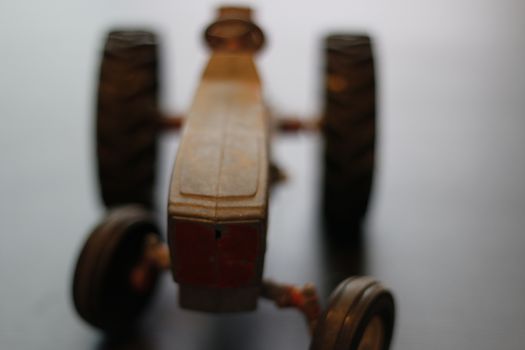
x=237, y=255
x=194, y=253
x=223, y=256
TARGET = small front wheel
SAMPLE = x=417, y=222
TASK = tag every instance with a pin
x=360, y=317
x=103, y=291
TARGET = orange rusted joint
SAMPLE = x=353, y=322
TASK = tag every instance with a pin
x=155, y=258
x=304, y=299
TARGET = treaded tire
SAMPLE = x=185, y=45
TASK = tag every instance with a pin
x=127, y=118
x=349, y=130
x=360, y=315
x=102, y=292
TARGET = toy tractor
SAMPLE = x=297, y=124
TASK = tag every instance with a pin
x=220, y=185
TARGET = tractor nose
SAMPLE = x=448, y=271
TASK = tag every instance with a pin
x=218, y=267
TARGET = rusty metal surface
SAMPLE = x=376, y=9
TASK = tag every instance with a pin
x=218, y=196
x=221, y=169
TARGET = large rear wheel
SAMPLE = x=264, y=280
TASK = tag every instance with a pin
x=349, y=124
x=127, y=118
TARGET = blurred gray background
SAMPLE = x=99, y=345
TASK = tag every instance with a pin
x=446, y=227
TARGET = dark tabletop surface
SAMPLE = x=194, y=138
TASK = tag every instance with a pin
x=446, y=226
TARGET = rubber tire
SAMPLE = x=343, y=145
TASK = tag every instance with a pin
x=102, y=293
x=127, y=118
x=353, y=304
x=349, y=129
